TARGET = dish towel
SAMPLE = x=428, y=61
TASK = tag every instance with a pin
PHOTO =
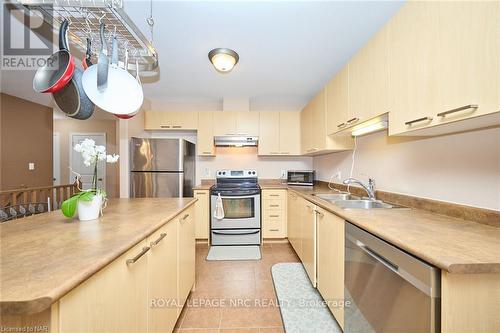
x=219, y=208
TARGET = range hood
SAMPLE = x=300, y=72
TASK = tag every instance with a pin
x=236, y=141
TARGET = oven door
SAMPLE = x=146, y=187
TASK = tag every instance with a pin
x=240, y=212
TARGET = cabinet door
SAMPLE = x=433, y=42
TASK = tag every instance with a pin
x=289, y=133
x=318, y=128
x=331, y=261
x=306, y=129
x=187, y=120
x=162, y=278
x=112, y=300
x=202, y=213
x=469, y=59
x=224, y=123
x=154, y=120
x=247, y=123
x=294, y=227
x=369, y=80
x=186, y=254
x=308, y=237
x=205, y=141
x=337, y=101
x=269, y=133
x=414, y=74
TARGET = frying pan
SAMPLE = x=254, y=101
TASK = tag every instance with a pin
x=72, y=100
x=123, y=95
x=137, y=77
x=87, y=61
x=58, y=69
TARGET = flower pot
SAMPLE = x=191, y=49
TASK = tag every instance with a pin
x=90, y=210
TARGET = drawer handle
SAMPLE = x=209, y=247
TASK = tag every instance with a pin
x=164, y=126
x=207, y=153
x=274, y=229
x=184, y=217
x=274, y=216
x=462, y=108
x=285, y=153
x=411, y=122
x=176, y=126
x=162, y=235
x=274, y=195
x=138, y=256
x=342, y=125
x=200, y=193
x=352, y=121
x=312, y=149
x=274, y=205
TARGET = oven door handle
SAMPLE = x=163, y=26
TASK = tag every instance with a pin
x=238, y=196
x=236, y=232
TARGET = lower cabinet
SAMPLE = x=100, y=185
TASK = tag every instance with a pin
x=330, y=275
x=186, y=256
x=274, y=213
x=308, y=239
x=162, y=278
x=202, y=213
x=294, y=225
x=142, y=289
x=112, y=300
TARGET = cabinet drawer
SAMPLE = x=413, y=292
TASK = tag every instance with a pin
x=273, y=204
x=273, y=232
x=274, y=194
x=273, y=215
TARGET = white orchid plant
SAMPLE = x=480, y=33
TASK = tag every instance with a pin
x=92, y=154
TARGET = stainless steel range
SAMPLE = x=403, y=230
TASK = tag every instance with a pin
x=240, y=193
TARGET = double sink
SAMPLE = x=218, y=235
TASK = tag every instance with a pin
x=348, y=201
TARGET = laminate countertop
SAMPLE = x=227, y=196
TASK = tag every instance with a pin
x=45, y=256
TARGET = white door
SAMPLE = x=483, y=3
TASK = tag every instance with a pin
x=76, y=161
x=56, y=162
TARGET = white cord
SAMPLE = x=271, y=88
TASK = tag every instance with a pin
x=352, y=162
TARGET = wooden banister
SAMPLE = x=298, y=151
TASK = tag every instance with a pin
x=56, y=193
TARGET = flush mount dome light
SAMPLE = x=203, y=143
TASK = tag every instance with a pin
x=223, y=59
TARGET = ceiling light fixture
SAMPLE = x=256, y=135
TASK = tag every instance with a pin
x=223, y=59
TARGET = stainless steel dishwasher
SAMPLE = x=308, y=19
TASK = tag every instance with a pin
x=387, y=289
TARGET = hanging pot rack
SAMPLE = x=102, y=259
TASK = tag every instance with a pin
x=85, y=17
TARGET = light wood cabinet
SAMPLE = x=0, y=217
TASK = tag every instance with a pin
x=294, y=225
x=162, y=279
x=224, y=123
x=160, y=120
x=274, y=213
x=337, y=101
x=113, y=300
x=279, y=133
x=205, y=137
x=451, y=65
x=308, y=238
x=269, y=133
x=369, y=80
x=331, y=261
x=247, y=123
x=202, y=213
x=186, y=254
x=306, y=129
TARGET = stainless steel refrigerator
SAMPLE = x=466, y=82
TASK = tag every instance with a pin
x=162, y=168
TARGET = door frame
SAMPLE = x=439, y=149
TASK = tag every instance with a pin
x=70, y=146
x=56, y=158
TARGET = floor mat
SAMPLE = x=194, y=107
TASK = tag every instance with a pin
x=302, y=307
x=246, y=252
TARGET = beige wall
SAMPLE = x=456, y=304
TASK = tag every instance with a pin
x=461, y=168
x=26, y=137
x=67, y=126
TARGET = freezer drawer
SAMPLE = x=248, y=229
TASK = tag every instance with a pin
x=236, y=237
x=156, y=185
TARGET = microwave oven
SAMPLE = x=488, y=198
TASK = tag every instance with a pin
x=300, y=177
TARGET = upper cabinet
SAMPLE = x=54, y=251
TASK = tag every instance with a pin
x=447, y=72
x=236, y=123
x=314, y=128
x=160, y=120
x=337, y=105
x=205, y=139
x=279, y=133
x=369, y=81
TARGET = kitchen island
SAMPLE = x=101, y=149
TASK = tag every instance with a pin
x=55, y=270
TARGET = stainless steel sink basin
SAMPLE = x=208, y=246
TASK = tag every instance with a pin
x=335, y=196
x=364, y=204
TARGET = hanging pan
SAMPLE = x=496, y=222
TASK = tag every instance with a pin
x=58, y=69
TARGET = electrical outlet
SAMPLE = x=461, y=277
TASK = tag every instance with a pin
x=207, y=172
x=283, y=174
x=338, y=175
x=31, y=166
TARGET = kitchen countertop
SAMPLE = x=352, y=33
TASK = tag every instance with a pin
x=45, y=256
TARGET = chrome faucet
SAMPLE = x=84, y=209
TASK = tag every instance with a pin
x=370, y=189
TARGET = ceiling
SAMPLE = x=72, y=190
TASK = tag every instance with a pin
x=288, y=50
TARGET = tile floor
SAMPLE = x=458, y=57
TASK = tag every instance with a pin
x=235, y=296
